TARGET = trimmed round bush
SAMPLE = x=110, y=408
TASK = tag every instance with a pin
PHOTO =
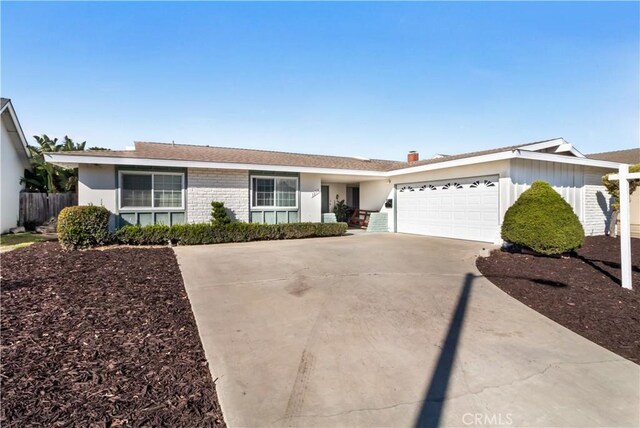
x=543, y=221
x=83, y=226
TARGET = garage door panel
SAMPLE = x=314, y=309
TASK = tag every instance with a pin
x=458, y=208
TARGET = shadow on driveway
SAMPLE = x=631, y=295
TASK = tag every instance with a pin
x=433, y=404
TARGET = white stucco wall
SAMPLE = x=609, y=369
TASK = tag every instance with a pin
x=207, y=185
x=97, y=186
x=373, y=195
x=336, y=189
x=310, y=198
x=12, y=166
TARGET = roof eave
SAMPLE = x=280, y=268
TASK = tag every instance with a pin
x=550, y=157
x=73, y=161
x=454, y=163
x=16, y=123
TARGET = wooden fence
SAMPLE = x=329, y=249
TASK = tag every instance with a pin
x=38, y=208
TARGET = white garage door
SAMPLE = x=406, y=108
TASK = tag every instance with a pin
x=465, y=208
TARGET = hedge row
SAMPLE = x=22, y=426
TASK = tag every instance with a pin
x=198, y=234
x=88, y=226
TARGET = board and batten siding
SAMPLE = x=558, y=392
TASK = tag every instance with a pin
x=222, y=185
x=580, y=186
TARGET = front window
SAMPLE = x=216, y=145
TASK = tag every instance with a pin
x=275, y=192
x=151, y=190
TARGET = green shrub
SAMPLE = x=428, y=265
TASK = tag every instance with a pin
x=341, y=210
x=83, y=226
x=543, y=222
x=219, y=214
x=155, y=234
x=198, y=234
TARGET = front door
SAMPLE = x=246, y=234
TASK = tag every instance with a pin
x=324, y=190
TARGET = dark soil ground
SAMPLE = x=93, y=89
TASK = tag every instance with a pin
x=582, y=293
x=100, y=339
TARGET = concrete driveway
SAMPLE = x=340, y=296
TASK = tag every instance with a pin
x=390, y=330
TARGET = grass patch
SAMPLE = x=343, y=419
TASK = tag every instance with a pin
x=19, y=240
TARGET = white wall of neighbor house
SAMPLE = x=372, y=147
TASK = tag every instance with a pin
x=97, y=186
x=222, y=185
x=310, y=198
x=635, y=213
x=12, y=168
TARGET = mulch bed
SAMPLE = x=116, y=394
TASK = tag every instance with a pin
x=100, y=339
x=582, y=293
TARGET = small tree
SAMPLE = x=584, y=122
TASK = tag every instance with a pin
x=46, y=177
x=613, y=187
x=219, y=215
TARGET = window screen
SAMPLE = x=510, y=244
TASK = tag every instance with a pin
x=263, y=192
x=167, y=191
x=135, y=190
x=286, y=192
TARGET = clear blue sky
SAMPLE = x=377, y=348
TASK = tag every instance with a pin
x=369, y=79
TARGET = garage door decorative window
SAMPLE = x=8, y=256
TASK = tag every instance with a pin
x=486, y=183
x=455, y=186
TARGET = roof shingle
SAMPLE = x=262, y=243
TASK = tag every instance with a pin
x=183, y=152
x=630, y=156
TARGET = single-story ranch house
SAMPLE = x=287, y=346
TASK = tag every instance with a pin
x=460, y=196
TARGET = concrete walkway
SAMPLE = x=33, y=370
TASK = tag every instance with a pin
x=390, y=330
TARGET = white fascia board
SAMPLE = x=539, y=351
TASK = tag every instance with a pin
x=550, y=157
x=572, y=150
x=454, y=163
x=561, y=143
x=72, y=161
x=544, y=145
x=16, y=124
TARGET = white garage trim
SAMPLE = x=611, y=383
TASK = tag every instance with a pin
x=461, y=208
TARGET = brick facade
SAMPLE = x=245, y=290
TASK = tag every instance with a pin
x=228, y=186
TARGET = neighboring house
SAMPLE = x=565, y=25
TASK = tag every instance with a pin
x=632, y=157
x=14, y=157
x=460, y=196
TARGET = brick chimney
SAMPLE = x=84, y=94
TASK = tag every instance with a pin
x=413, y=156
